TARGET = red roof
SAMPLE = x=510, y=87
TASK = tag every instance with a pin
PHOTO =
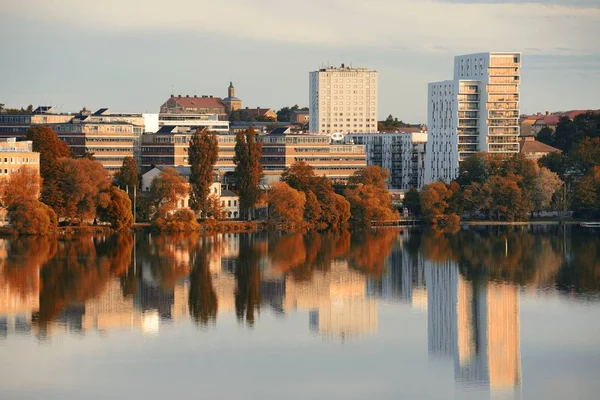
x=548, y=120
x=199, y=102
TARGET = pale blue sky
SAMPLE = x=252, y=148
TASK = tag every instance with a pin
x=127, y=54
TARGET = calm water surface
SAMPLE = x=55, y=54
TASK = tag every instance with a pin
x=483, y=313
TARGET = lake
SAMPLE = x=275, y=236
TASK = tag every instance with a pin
x=488, y=312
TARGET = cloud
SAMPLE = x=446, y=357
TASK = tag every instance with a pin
x=417, y=25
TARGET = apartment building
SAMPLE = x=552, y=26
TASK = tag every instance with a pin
x=476, y=111
x=343, y=99
x=210, y=122
x=401, y=153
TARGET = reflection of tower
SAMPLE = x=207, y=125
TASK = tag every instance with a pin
x=441, y=279
x=488, y=335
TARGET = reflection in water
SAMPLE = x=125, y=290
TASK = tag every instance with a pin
x=468, y=284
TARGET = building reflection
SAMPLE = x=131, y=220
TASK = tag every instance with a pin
x=476, y=324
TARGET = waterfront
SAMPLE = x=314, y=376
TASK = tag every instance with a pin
x=486, y=312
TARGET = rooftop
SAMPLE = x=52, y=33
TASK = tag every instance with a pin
x=530, y=145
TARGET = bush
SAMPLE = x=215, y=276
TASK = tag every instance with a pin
x=32, y=218
x=182, y=220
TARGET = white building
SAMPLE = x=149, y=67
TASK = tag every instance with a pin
x=229, y=200
x=401, y=153
x=343, y=100
x=477, y=111
x=210, y=122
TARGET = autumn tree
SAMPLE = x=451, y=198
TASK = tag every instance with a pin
x=299, y=176
x=115, y=207
x=51, y=150
x=82, y=181
x=546, y=184
x=312, y=209
x=412, y=201
x=203, y=153
x=20, y=186
x=167, y=189
x=247, y=278
x=369, y=199
x=586, y=196
x=248, y=169
x=127, y=177
x=286, y=205
x=435, y=204
x=32, y=218
x=180, y=220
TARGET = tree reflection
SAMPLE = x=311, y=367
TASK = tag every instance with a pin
x=247, y=276
x=203, y=302
x=80, y=270
x=369, y=250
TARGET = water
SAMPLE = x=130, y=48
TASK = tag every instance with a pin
x=484, y=313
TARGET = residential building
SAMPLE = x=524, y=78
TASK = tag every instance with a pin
x=260, y=113
x=531, y=125
x=343, y=100
x=534, y=149
x=13, y=157
x=477, y=111
x=401, y=153
x=229, y=200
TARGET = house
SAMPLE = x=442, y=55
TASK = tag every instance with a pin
x=229, y=200
x=300, y=117
x=534, y=149
x=260, y=113
x=193, y=105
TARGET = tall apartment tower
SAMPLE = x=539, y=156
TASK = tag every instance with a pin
x=477, y=111
x=343, y=100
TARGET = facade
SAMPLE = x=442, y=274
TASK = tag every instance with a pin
x=261, y=113
x=300, y=117
x=477, y=111
x=17, y=124
x=401, y=153
x=343, y=100
x=194, y=105
x=210, y=122
x=14, y=156
x=280, y=149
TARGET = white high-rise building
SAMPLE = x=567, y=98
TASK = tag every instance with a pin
x=343, y=100
x=477, y=111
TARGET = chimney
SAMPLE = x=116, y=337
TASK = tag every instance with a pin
x=547, y=112
x=195, y=96
x=187, y=95
x=343, y=65
x=210, y=96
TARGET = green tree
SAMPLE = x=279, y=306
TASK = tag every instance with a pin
x=115, y=208
x=586, y=196
x=203, y=153
x=127, y=177
x=51, y=150
x=473, y=169
x=248, y=169
x=412, y=201
x=545, y=135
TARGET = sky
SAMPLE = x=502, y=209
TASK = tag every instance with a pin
x=130, y=55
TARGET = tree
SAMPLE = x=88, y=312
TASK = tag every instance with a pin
x=507, y=202
x=82, y=181
x=312, y=209
x=180, y=220
x=586, y=154
x=127, y=177
x=248, y=169
x=167, y=189
x=473, y=169
x=368, y=204
x=372, y=175
x=51, y=150
x=299, y=176
x=115, y=208
x=435, y=199
x=412, y=201
x=547, y=183
x=286, y=205
x=545, y=135
x=203, y=153
x=586, y=196
x=32, y=217
x=20, y=187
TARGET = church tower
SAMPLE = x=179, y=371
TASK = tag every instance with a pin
x=231, y=102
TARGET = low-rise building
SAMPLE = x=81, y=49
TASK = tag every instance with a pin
x=209, y=122
x=17, y=124
x=534, y=149
x=13, y=157
x=401, y=153
x=300, y=117
x=229, y=200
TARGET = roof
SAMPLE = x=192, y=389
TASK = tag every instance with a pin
x=198, y=102
x=530, y=145
x=301, y=112
x=231, y=99
x=257, y=112
x=548, y=120
x=102, y=111
x=228, y=193
x=282, y=130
